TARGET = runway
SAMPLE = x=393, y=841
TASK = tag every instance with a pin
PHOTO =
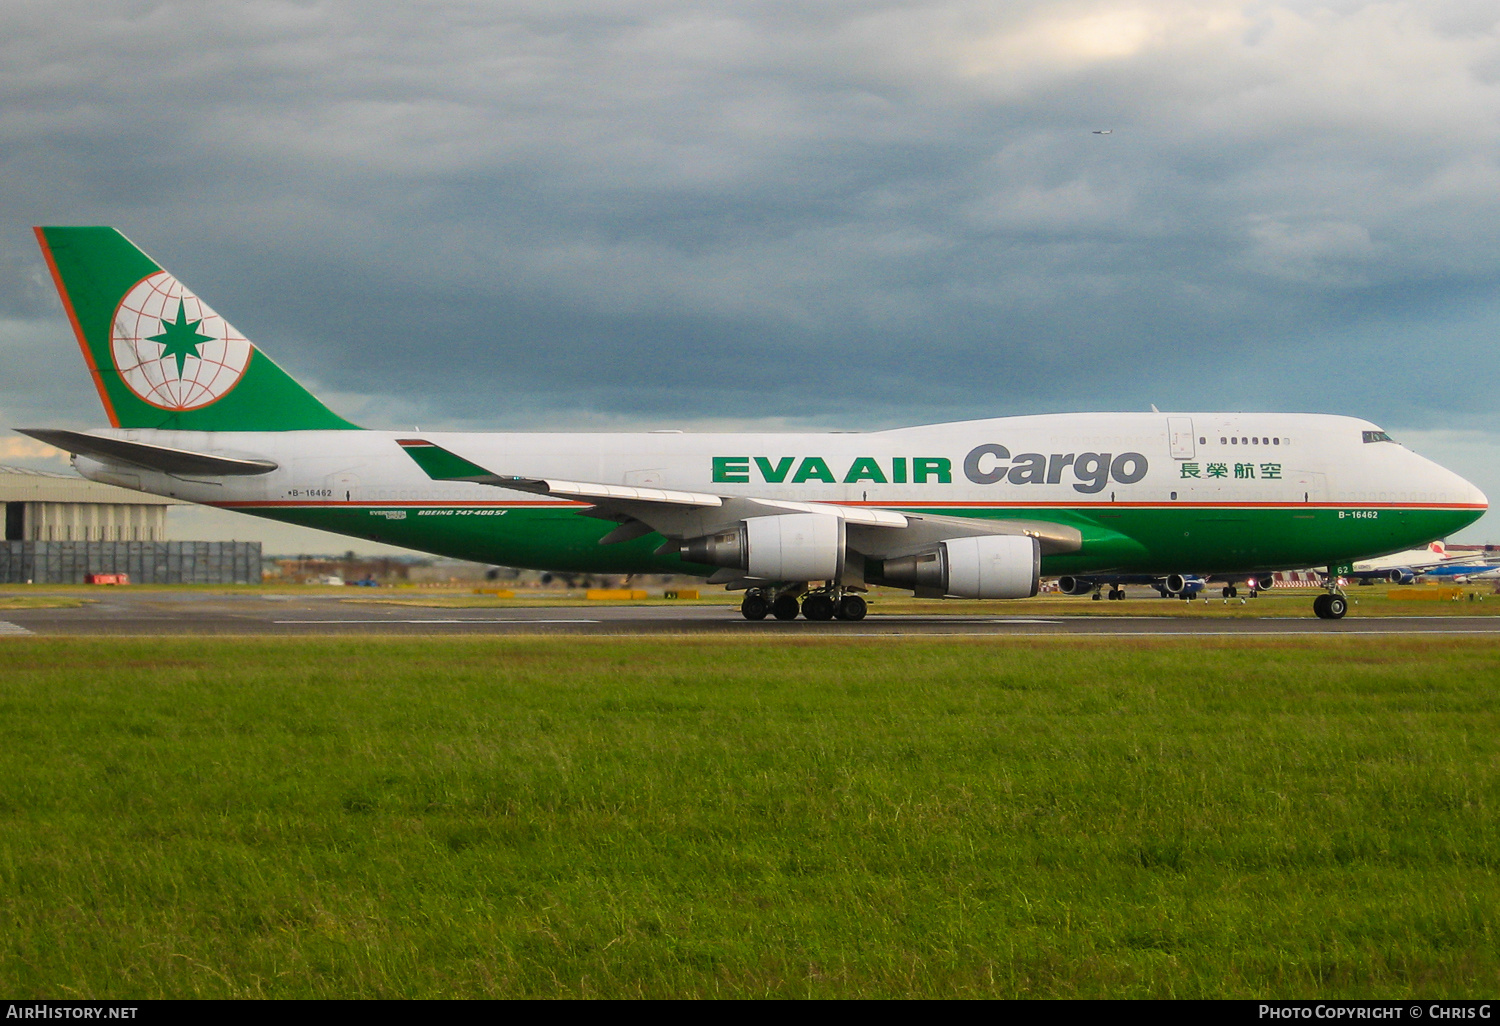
x=189, y=613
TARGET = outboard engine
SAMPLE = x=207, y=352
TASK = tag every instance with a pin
x=1401, y=576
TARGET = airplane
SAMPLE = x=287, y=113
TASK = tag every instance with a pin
x=1403, y=567
x=1464, y=571
x=803, y=523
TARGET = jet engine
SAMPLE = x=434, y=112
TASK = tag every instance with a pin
x=786, y=547
x=1401, y=576
x=990, y=566
x=1070, y=585
x=1181, y=585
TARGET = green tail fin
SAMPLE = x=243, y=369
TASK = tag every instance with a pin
x=160, y=356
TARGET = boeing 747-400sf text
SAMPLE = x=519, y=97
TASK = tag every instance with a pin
x=801, y=522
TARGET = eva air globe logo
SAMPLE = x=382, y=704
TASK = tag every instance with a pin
x=171, y=349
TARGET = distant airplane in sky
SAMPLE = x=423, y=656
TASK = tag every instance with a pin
x=802, y=522
x=1104, y=131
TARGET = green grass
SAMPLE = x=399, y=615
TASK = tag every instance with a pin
x=533, y=817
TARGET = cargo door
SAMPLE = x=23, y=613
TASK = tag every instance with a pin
x=1180, y=437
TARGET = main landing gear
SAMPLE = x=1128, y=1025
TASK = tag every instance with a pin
x=818, y=605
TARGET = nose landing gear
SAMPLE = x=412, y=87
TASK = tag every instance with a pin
x=1332, y=604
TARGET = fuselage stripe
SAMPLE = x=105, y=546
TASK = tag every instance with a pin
x=1021, y=504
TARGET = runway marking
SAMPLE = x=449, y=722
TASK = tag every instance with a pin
x=474, y=619
x=6, y=627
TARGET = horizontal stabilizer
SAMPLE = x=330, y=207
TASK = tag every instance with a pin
x=152, y=457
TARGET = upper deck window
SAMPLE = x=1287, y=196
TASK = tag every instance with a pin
x=1377, y=436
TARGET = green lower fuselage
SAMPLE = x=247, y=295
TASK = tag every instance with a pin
x=1145, y=540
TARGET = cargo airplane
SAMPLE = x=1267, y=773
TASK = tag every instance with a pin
x=802, y=523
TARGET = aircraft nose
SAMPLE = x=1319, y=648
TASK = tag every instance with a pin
x=1469, y=493
x=1476, y=496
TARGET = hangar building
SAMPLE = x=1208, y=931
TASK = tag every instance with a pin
x=62, y=507
x=60, y=528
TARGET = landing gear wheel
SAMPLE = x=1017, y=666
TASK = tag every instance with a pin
x=1330, y=606
x=754, y=607
x=784, y=608
x=817, y=607
x=1097, y=595
x=1116, y=594
x=851, y=607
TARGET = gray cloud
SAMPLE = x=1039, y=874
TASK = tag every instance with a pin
x=478, y=214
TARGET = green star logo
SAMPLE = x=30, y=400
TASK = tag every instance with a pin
x=180, y=338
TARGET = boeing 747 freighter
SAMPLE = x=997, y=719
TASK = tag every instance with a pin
x=803, y=523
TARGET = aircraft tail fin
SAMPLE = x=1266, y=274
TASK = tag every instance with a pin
x=160, y=356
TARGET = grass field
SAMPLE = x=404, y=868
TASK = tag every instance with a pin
x=582, y=817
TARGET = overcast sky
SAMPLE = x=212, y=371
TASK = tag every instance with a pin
x=653, y=213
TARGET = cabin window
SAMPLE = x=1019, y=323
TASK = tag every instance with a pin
x=1377, y=436
x=1275, y=441
x=1202, y=441
x=1234, y=441
x=1223, y=440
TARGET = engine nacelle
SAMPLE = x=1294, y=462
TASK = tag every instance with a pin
x=990, y=566
x=1178, y=584
x=1070, y=585
x=787, y=547
x=1401, y=576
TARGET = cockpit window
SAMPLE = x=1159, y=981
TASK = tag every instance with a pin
x=1377, y=436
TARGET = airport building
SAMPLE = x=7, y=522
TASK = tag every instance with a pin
x=62, y=529
x=61, y=507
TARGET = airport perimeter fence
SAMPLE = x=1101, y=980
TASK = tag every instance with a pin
x=185, y=562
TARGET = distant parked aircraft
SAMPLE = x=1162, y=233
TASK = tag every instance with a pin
x=1402, y=567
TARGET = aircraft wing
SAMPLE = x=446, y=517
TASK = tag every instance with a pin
x=882, y=533
x=1460, y=569
x=151, y=457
